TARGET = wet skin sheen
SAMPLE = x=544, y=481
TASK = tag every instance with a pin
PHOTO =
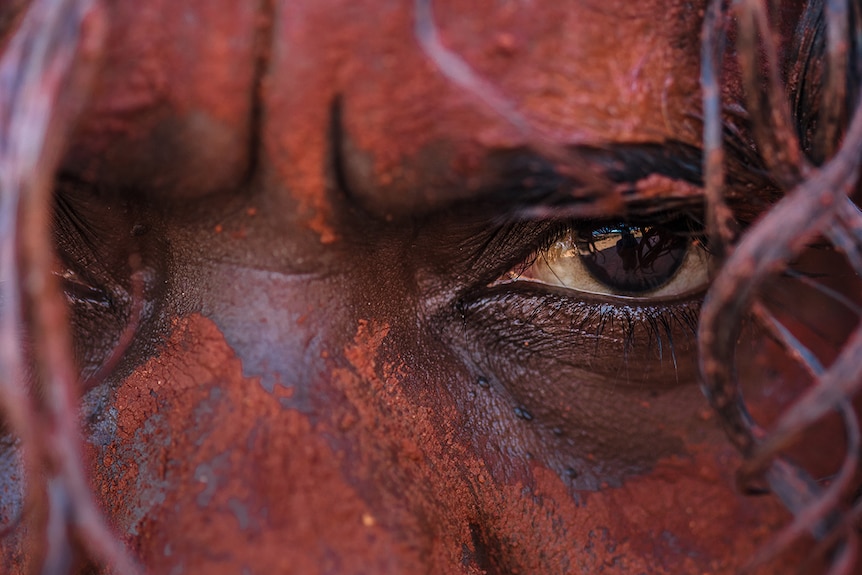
x=322, y=380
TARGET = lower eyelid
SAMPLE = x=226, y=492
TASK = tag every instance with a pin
x=595, y=336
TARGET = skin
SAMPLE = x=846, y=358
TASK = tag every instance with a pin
x=321, y=380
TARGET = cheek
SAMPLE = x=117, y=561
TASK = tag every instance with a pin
x=208, y=473
x=491, y=493
x=387, y=468
x=683, y=516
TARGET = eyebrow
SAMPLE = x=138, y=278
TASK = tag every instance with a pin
x=583, y=181
x=639, y=180
x=634, y=179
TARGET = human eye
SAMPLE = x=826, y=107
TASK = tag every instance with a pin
x=606, y=303
x=584, y=329
x=621, y=260
x=108, y=264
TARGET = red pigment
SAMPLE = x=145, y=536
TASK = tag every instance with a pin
x=275, y=500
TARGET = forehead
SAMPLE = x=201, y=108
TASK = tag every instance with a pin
x=419, y=92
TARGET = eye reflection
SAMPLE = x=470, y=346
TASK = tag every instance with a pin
x=620, y=260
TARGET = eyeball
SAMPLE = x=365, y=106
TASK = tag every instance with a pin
x=620, y=260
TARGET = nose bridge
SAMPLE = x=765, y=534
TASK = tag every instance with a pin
x=209, y=473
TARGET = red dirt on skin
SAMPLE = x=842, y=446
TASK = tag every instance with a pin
x=403, y=119
x=637, y=528
x=211, y=473
x=163, y=89
x=246, y=481
x=296, y=122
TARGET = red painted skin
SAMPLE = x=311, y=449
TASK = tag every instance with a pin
x=302, y=397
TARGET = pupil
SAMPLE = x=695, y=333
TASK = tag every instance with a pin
x=633, y=259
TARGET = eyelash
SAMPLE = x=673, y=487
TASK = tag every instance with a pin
x=73, y=241
x=656, y=322
x=598, y=337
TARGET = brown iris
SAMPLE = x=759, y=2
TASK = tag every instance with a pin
x=631, y=259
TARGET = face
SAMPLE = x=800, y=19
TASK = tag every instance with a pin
x=400, y=290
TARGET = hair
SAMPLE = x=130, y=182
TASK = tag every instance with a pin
x=799, y=126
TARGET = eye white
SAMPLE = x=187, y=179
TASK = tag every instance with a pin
x=561, y=265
